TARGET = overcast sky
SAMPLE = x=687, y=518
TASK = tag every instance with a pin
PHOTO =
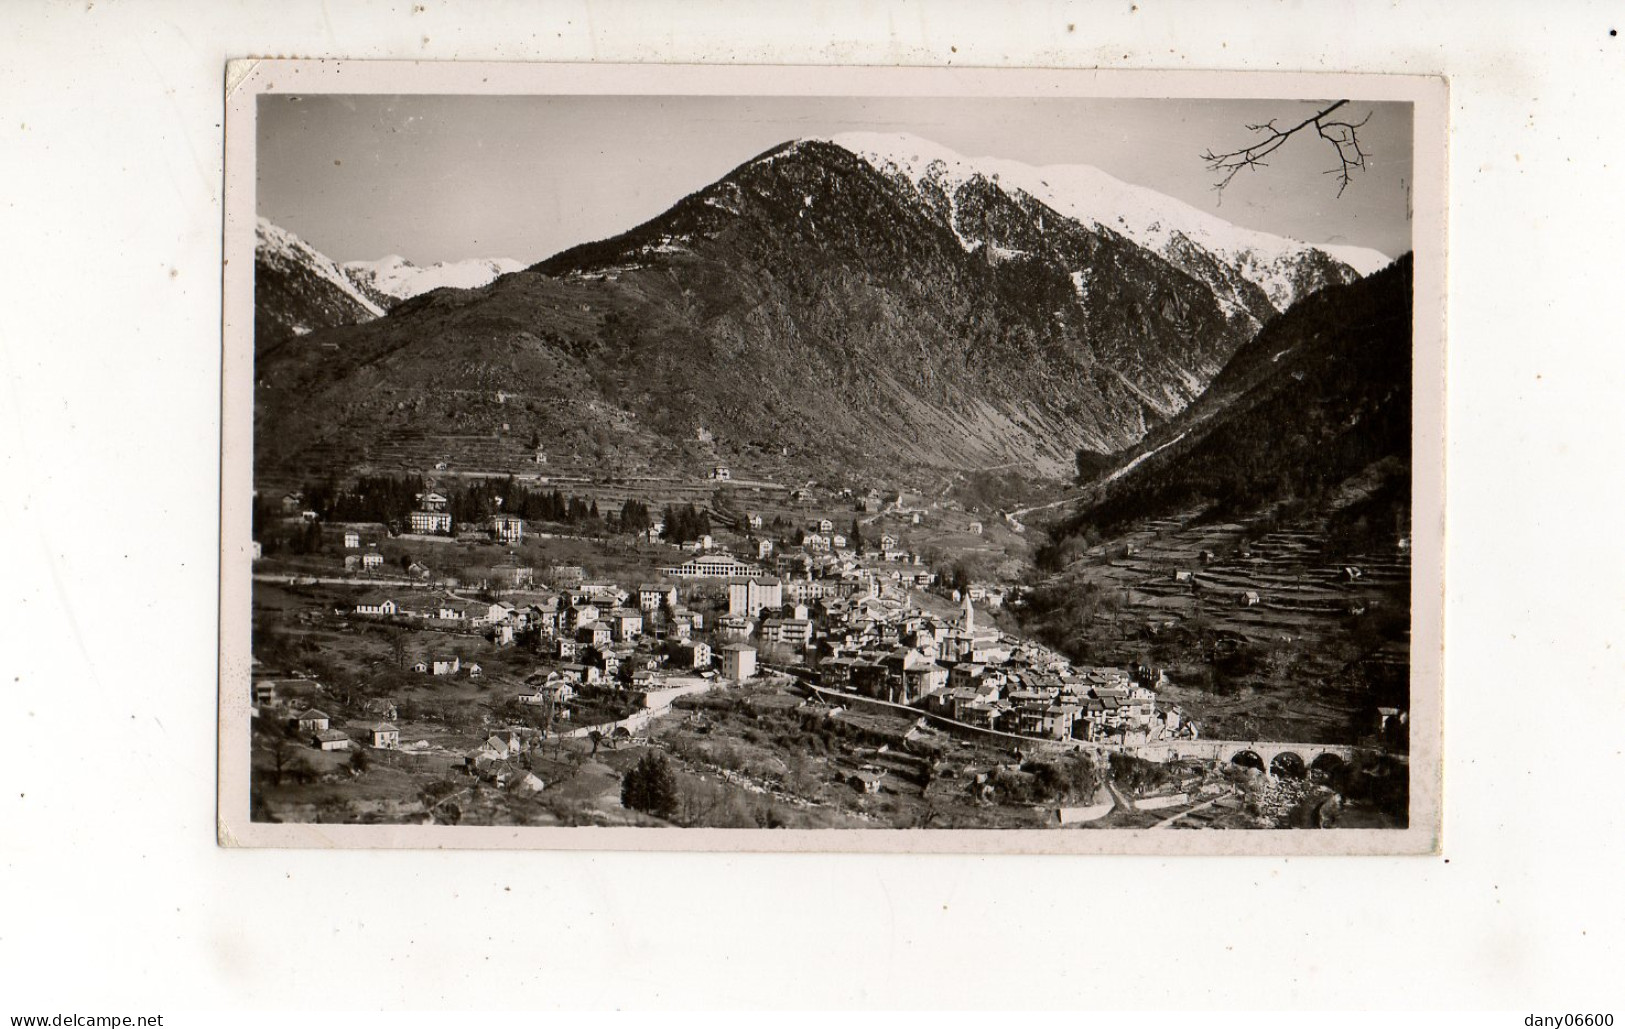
x=440, y=178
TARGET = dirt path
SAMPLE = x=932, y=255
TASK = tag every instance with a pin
x=1122, y=802
x=1013, y=517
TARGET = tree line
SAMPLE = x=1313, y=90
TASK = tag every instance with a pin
x=390, y=499
x=685, y=523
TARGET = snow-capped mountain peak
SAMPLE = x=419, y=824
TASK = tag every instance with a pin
x=1093, y=198
x=397, y=277
x=277, y=246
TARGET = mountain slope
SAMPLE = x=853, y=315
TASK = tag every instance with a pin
x=1320, y=397
x=808, y=312
x=1256, y=546
x=298, y=289
x=1091, y=304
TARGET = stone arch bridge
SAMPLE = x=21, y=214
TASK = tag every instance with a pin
x=1271, y=758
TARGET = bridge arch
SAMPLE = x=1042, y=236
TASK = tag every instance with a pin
x=1323, y=758
x=1288, y=764
x=1247, y=758
x=1327, y=763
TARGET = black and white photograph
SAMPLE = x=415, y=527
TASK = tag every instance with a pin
x=814, y=467
x=926, y=511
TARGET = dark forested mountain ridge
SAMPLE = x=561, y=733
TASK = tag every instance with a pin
x=808, y=312
x=1320, y=396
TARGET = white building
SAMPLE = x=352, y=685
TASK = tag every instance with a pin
x=376, y=606
x=508, y=528
x=738, y=661
x=430, y=523
x=749, y=597
x=713, y=566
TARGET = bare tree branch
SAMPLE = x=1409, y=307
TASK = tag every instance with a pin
x=1343, y=137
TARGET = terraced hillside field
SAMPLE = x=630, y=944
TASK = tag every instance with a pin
x=1261, y=631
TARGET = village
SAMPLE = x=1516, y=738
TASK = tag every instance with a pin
x=491, y=669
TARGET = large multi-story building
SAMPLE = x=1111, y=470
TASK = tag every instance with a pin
x=654, y=596
x=750, y=597
x=627, y=623
x=738, y=661
x=714, y=566
x=508, y=528
x=795, y=632
x=430, y=523
x=431, y=516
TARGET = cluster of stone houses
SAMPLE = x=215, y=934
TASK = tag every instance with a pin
x=447, y=664
x=854, y=625
x=1099, y=705
x=604, y=633
x=437, y=611
x=822, y=553
x=981, y=677
x=847, y=618
x=315, y=726
x=599, y=632
x=585, y=610
x=549, y=689
x=496, y=760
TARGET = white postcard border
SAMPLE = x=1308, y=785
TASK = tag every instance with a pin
x=247, y=79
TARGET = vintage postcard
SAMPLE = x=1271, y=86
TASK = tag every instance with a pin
x=674, y=457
